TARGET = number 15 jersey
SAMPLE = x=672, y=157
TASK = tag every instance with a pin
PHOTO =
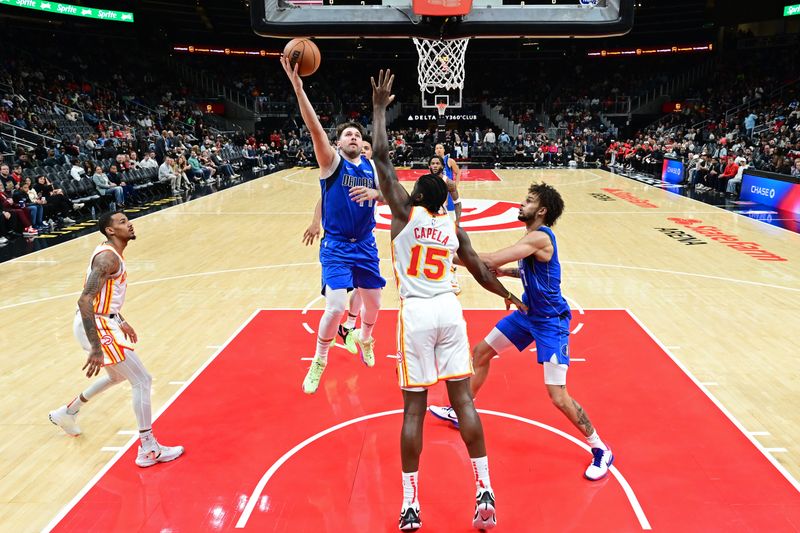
x=422, y=254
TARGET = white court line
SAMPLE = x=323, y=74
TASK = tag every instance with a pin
x=759, y=433
x=390, y=356
x=308, y=328
x=92, y=482
x=112, y=448
x=256, y=494
x=177, y=382
x=776, y=450
x=306, y=358
x=577, y=328
x=170, y=278
x=679, y=273
x=576, y=305
x=579, y=359
x=709, y=383
x=721, y=407
x=312, y=302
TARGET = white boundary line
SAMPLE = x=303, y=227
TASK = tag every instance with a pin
x=254, y=497
x=719, y=405
x=67, y=508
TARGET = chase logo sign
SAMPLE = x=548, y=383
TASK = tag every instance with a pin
x=672, y=171
x=476, y=215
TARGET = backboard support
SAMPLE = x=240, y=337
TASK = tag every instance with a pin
x=485, y=19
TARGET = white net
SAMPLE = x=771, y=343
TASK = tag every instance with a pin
x=441, y=64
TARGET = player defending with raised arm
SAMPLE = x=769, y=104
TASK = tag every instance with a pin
x=432, y=333
x=546, y=321
x=348, y=251
x=357, y=194
x=108, y=339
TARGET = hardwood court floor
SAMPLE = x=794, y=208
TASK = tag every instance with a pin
x=198, y=270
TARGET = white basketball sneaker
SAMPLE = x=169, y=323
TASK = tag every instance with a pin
x=485, y=513
x=448, y=414
x=601, y=460
x=151, y=452
x=66, y=421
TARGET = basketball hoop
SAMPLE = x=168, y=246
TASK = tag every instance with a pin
x=441, y=69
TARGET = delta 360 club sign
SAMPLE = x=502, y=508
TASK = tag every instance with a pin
x=476, y=215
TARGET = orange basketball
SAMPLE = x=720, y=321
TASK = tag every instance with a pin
x=304, y=52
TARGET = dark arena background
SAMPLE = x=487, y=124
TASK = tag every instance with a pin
x=670, y=128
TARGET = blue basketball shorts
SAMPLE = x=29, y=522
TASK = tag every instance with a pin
x=348, y=265
x=551, y=335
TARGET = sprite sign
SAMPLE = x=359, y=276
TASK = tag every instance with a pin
x=69, y=9
x=788, y=11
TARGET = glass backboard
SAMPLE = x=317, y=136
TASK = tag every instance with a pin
x=398, y=19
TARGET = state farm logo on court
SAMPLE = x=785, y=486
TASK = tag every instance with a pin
x=476, y=215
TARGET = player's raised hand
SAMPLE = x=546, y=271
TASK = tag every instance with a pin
x=382, y=91
x=291, y=72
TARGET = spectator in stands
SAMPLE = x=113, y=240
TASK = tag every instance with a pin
x=56, y=202
x=796, y=168
x=489, y=139
x=224, y=166
x=35, y=209
x=106, y=188
x=77, y=171
x=731, y=168
x=750, y=124
x=198, y=171
x=18, y=213
x=167, y=172
x=503, y=138
x=148, y=161
x=16, y=174
x=732, y=188
x=5, y=174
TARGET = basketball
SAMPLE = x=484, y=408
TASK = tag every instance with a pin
x=304, y=52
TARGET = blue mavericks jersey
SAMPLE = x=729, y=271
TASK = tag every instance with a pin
x=342, y=218
x=448, y=172
x=542, y=283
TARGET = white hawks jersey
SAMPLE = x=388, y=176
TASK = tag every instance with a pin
x=422, y=254
x=111, y=296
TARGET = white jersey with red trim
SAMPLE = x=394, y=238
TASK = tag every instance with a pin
x=111, y=296
x=422, y=254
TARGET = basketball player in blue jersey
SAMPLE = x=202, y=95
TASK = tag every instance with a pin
x=348, y=251
x=437, y=166
x=357, y=194
x=453, y=173
x=546, y=321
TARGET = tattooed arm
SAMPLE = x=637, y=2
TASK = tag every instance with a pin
x=103, y=266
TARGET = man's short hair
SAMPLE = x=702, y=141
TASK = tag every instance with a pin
x=106, y=220
x=341, y=127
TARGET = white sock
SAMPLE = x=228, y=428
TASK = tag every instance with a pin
x=595, y=442
x=480, y=467
x=322, y=350
x=410, y=489
x=75, y=405
x=145, y=435
x=350, y=323
x=366, y=331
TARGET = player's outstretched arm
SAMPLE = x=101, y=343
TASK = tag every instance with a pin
x=394, y=193
x=103, y=266
x=469, y=258
x=322, y=147
x=534, y=243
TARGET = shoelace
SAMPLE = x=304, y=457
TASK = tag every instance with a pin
x=598, y=457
